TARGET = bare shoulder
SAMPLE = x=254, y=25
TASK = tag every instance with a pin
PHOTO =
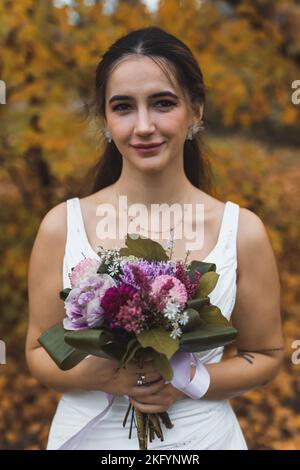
x=252, y=239
x=51, y=234
x=45, y=274
x=251, y=224
x=54, y=222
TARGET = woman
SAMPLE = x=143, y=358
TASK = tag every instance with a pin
x=149, y=89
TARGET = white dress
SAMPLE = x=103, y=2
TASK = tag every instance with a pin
x=198, y=424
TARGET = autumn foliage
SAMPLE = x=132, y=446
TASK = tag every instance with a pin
x=250, y=55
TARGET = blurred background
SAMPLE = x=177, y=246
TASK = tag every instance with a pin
x=249, y=52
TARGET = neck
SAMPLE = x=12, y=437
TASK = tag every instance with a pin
x=167, y=187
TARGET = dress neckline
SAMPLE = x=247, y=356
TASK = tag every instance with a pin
x=94, y=253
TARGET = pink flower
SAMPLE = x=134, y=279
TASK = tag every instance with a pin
x=177, y=293
x=83, y=304
x=191, y=286
x=81, y=273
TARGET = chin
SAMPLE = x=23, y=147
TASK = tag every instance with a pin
x=152, y=165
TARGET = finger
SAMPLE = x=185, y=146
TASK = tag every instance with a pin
x=147, y=369
x=154, y=399
x=145, y=360
x=149, y=378
x=145, y=408
x=144, y=390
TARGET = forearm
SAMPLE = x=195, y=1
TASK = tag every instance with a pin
x=44, y=369
x=237, y=375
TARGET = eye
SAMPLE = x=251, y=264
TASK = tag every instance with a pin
x=167, y=104
x=117, y=108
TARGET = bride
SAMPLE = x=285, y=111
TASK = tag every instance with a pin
x=150, y=93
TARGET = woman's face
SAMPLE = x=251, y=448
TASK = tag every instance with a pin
x=139, y=118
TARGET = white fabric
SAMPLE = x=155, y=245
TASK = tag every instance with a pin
x=198, y=424
x=198, y=387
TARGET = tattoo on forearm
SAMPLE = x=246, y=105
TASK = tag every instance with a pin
x=246, y=356
x=245, y=353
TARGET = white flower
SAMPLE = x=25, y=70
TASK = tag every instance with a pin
x=169, y=244
x=183, y=319
x=171, y=310
x=176, y=332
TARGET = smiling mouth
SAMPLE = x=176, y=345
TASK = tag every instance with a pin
x=146, y=150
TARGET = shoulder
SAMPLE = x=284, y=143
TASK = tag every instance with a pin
x=54, y=222
x=253, y=243
x=252, y=233
x=51, y=233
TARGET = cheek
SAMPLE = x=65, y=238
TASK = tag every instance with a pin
x=121, y=126
x=173, y=124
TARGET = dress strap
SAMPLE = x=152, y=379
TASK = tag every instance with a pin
x=229, y=228
x=75, y=229
x=72, y=220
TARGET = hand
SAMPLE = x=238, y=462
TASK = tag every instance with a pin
x=103, y=374
x=158, y=402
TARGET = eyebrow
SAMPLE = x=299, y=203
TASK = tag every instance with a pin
x=154, y=95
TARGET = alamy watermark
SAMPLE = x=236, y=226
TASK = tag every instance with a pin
x=296, y=354
x=2, y=352
x=2, y=92
x=135, y=217
x=296, y=94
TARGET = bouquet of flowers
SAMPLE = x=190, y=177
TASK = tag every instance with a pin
x=135, y=301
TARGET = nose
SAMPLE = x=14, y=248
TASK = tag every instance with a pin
x=144, y=122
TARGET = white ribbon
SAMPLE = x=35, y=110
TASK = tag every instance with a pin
x=73, y=442
x=181, y=365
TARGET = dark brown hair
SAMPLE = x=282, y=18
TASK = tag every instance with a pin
x=170, y=54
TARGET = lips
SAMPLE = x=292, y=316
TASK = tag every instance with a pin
x=148, y=150
x=147, y=146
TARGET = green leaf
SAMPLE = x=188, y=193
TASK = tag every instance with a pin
x=102, y=268
x=124, y=252
x=211, y=315
x=198, y=304
x=65, y=356
x=115, y=350
x=132, y=347
x=92, y=341
x=64, y=293
x=88, y=338
x=159, y=340
x=206, y=337
x=207, y=284
x=162, y=365
x=194, y=319
x=200, y=266
x=143, y=247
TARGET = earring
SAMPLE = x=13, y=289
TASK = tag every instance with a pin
x=107, y=134
x=198, y=126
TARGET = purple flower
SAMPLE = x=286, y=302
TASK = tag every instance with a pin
x=83, y=304
x=149, y=269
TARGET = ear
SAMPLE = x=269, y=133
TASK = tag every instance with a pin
x=200, y=110
x=197, y=114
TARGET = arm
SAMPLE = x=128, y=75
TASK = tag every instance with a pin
x=46, y=309
x=256, y=316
